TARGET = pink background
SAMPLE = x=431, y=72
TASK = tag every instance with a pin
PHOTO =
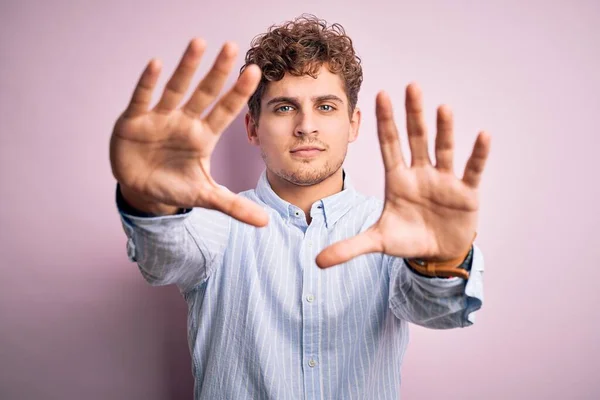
x=77, y=321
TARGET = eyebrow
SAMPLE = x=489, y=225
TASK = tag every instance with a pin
x=295, y=102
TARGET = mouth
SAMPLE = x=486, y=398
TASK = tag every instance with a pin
x=306, y=151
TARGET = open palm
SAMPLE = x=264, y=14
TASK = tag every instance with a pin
x=163, y=154
x=428, y=212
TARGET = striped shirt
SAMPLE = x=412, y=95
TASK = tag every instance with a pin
x=264, y=322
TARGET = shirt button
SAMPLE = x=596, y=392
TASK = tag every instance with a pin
x=312, y=363
x=310, y=243
x=297, y=213
x=310, y=298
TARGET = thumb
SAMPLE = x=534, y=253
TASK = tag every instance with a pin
x=238, y=207
x=345, y=250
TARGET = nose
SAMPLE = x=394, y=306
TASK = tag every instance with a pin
x=306, y=124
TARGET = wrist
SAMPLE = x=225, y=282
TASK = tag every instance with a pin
x=458, y=267
x=134, y=203
x=444, y=268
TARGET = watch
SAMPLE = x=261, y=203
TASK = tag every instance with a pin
x=444, y=269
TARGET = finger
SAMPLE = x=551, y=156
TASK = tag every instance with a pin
x=233, y=101
x=210, y=87
x=180, y=81
x=444, y=141
x=238, y=207
x=142, y=95
x=345, y=250
x=388, y=133
x=476, y=163
x=415, y=124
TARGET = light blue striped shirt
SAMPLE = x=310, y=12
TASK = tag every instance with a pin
x=265, y=322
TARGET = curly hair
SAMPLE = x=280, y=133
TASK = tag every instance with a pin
x=300, y=47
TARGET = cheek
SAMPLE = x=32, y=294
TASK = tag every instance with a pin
x=339, y=148
x=340, y=135
x=273, y=145
x=274, y=133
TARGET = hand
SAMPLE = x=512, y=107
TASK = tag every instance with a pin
x=163, y=154
x=428, y=212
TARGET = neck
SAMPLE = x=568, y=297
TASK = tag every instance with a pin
x=304, y=197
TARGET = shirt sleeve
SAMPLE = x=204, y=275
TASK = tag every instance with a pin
x=181, y=249
x=436, y=303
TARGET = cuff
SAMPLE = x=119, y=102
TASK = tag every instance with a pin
x=127, y=210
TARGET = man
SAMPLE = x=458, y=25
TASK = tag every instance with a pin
x=269, y=314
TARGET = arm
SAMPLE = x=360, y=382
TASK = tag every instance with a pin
x=437, y=303
x=429, y=218
x=181, y=249
x=176, y=217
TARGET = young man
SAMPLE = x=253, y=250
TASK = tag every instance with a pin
x=269, y=314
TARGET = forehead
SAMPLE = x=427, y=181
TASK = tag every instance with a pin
x=325, y=83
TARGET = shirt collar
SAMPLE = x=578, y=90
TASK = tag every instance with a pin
x=333, y=207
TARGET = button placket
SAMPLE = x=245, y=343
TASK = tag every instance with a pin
x=310, y=311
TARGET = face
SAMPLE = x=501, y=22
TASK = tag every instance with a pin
x=304, y=127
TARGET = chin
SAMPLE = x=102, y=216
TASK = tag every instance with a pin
x=307, y=175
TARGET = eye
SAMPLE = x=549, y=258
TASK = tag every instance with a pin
x=283, y=109
x=326, y=107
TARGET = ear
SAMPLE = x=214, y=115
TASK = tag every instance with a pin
x=354, y=125
x=251, y=130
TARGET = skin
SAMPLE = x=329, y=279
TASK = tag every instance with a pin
x=304, y=111
x=429, y=212
x=161, y=157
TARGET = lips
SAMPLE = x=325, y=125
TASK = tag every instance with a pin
x=306, y=153
x=306, y=148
